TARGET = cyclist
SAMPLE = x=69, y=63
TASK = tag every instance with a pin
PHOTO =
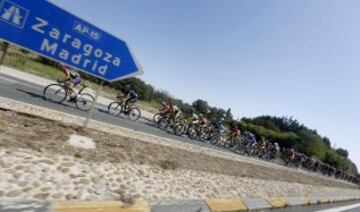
x=276, y=147
x=193, y=119
x=217, y=126
x=202, y=122
x=72, y=79
x=274, y=150
x=165, y=107
x=175, y=112
x=130, y=98
x=234, y=134
x=263, y=146
x=291, y=154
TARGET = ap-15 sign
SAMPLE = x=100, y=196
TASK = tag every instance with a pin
x=44, y=28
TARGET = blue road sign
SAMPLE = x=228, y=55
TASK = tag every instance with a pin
x=42, y=27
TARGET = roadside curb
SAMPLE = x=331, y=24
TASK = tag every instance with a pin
x=181, y=205
x=249, y=204
x=141, y=205
x=242, y=204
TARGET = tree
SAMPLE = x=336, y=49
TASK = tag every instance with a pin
x=334, y=159
x=201, y=106
x=228, y=115
x=327, y=142
x=216, y=113
x=342, y=152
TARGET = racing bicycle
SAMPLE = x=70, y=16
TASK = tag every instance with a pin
x=118, y=107
x=60, y=91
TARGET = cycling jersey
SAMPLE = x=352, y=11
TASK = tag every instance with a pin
x=166, y=107
x=131, y=94
x=176, y=109
x=65, y=69
x=72, y=76
x=218, y=126
x=131, y=97
x=193, y=119
x=202, y=121
x=235, y=131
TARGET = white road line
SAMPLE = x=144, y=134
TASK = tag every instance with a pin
x=9, y=80
x=342, y=208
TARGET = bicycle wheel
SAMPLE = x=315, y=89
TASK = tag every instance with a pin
x=134, y=114
x=114, y=108
x=55, y=93
x=84, y=101
x=214, y=137
x=156, y=117
x=192, y=133
x=179, y=129
x=203, y=135
x=163, y=123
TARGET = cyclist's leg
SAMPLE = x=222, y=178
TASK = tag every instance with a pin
x=177, y=116
x=129, y=104
x=126, y=105
x=174, y=117
x=71, y=91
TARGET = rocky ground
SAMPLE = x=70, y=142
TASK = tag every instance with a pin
x=37, y=162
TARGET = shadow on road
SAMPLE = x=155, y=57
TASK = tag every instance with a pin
x=37, y=96
x=103, y=111
x=34, y=95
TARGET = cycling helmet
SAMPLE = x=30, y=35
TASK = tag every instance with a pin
x=73, y=74
x=276, y=144
x=127, y=88
x=163, y=103
x=201, y=115
x=222, y=119
x=62, y=66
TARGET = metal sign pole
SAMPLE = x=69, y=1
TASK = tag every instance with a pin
x=4, y=49
x=93, y=106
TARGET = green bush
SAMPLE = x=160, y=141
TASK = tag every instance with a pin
x=336, y=160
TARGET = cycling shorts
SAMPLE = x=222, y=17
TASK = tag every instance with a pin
x=76, y=81
x=177, y=113
x=132, y=100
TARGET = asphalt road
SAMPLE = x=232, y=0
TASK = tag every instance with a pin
x=350, y=206
x=23, y=91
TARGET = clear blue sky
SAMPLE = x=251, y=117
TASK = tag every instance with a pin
x=283, y=58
